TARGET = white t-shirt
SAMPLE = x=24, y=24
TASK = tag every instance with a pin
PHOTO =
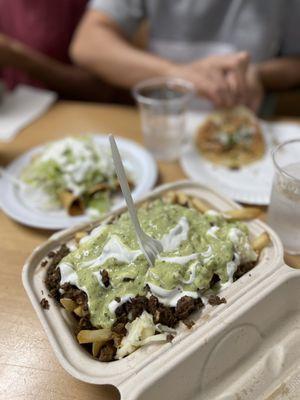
x=184, y=30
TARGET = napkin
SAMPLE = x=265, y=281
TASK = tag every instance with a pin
x=21, y=107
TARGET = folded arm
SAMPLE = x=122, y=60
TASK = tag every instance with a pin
x=68, y=80
x=280, y=73
x=100, y=46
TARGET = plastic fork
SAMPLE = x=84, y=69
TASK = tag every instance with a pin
x=149, y=246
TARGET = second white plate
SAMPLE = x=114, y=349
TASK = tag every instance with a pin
x=138, y=160
x=251, y=184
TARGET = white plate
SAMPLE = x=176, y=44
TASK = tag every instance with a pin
x=137, y=160
x=250, y=184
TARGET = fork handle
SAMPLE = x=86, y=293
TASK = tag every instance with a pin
x=125, y=187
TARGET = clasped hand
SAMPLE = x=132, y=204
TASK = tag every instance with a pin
x=226, y=80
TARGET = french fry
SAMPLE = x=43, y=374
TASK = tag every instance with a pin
x=145, y=205
x=80, y=311
x=199, y=205
x=169, y=197
x=68, y=304
x=260, y=242
x=79, y=235
x=73, y=204
x=190, y=204
x=91, y=336
x=96, y=348
x=182, y=198
x=243, y=214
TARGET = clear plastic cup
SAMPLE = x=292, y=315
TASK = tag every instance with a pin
x=284, y=210
x=163, y=103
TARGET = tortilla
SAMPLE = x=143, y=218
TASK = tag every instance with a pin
x=71, y=203
x=103, y=186
x=232, y=138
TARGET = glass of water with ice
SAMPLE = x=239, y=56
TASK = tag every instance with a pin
x=163, y=104
x=284, y=210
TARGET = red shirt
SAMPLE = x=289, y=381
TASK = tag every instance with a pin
x=44, y=25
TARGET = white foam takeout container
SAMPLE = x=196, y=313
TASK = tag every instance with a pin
x=246, y=349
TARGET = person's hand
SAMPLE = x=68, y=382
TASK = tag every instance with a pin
x=254, y=89
x=221, y=79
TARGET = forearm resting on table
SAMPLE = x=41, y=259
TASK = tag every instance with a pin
x=280, y=73
x=100, y=47
x=67, y=80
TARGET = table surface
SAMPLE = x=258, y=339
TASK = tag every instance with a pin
x=28, y=367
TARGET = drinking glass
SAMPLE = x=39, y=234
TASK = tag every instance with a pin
x=284, y=210
x=163, y=103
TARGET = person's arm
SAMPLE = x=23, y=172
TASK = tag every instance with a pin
x=68, y=80
x=272, y=75
x=283, y=72
x=280, y=73
x=100, y=46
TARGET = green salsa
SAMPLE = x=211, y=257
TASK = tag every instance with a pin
x=196, y=246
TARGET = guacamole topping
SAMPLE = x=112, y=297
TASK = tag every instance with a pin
x=75, y=165
x=195, y=247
